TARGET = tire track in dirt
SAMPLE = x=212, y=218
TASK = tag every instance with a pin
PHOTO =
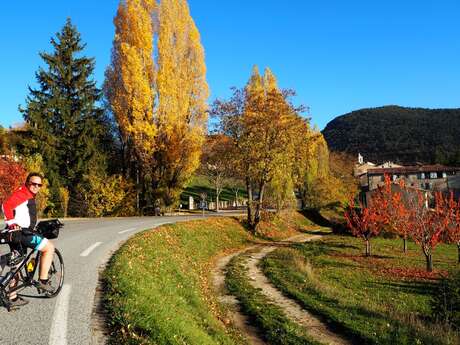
x=315, y=327
x=240, y=320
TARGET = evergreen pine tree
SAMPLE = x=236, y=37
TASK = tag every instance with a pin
x=67, y=127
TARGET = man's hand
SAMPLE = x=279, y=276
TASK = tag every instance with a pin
x=13, y=227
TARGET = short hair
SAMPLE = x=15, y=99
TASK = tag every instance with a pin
x=33, y=174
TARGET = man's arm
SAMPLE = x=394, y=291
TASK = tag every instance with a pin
x=9, y=205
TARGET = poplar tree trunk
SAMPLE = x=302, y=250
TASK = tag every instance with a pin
x=405, y=245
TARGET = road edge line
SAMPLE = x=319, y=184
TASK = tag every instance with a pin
x=58, y=332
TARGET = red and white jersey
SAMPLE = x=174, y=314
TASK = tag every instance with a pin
x=20, y=208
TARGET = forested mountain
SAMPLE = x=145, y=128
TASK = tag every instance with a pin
x=398, y=134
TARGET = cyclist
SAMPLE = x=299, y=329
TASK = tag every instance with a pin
x=21, y=217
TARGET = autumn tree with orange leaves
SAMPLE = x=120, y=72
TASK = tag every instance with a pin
x=392, y=209
x=453, y=235
x=12, y=175
x=427, y=225
x=364, y=222
x=405, y=211
x=409, y=215
x=452, y=208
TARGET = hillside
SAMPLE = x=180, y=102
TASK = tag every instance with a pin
x=399, y=134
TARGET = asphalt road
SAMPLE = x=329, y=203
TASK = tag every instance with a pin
x=86, y=245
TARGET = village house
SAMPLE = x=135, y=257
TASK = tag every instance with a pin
x=361, y=171
x=430, y=178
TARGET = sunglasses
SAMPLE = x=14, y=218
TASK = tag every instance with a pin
x=35, y=184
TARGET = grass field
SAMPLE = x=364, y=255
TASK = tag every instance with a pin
x=200, y=184
x=157, y=284
x=384, y=299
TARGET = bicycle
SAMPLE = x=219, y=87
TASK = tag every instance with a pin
x=24, y=266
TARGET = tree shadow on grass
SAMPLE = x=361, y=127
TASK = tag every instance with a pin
x=419, y=288
x=340, y=245
x=382, y=256
x=316, y=232
x=316, y=217
x=312, y=248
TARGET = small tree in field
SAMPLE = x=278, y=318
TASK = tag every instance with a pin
x=452, y=208
x=454, y=235
x=392, y=209
x=363, y=222
x=215, y=162
x=427, y=225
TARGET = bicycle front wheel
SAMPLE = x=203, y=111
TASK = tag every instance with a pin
x=56, y=274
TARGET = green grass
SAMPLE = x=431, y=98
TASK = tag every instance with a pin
x=157, y=284
x=275, y=327
x=384, y=299
x=200, y=184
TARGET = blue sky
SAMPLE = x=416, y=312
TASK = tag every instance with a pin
x=338, y=55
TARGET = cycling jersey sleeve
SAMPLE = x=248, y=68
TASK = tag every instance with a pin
x=9, y=205
x=14, y=205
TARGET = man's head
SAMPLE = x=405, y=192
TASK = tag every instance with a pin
x=34, y=182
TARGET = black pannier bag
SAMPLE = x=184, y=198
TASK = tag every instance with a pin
x=49, y=228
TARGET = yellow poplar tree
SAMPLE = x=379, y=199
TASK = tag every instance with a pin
x=159, y=105
x=129, y=83
x=316, y=175
x=318, y=186
x=182, y=93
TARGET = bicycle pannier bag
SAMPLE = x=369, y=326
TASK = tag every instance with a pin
x=49, y=228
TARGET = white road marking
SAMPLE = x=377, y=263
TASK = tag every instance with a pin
x=86, y=252
x=132, y=229
x=58, y=333
x=127, y=230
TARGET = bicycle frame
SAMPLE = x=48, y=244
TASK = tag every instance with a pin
x=21, y=274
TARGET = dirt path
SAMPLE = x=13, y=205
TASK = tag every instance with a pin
x=316, y=328
x=236, y=316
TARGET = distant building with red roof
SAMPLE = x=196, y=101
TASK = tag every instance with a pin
x=435, y=177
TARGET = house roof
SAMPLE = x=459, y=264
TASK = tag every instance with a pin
x=412, y=169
